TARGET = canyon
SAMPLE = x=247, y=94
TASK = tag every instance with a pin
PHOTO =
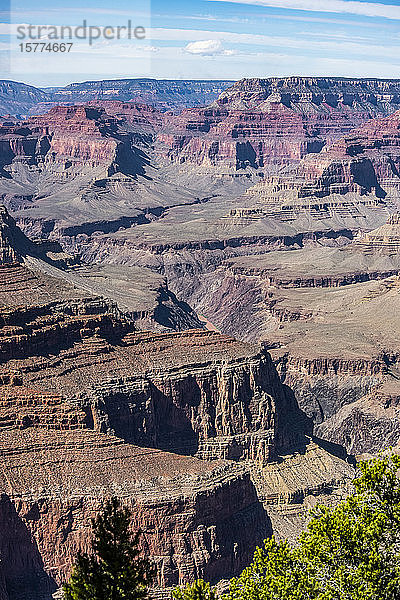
x=198, y=314
x=183, y=424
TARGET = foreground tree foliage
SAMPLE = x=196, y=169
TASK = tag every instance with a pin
x=114, y=570
x=199, y=590
x=350, y=552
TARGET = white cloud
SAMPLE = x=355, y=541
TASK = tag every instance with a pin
x=212, y=43
x=353, y=7
x=207, y=48
x=230, y=38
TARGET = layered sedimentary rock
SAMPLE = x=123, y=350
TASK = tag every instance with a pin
x=337, y=349
x=261, y=122
x=161, y=93
x=290, y=488
x=79, y=170
x=60, y=169
x=21, y=99
x=87, y=136
x=357, y=174
x=327, y=314
x=193, y=417
x=326, y=308
x=329, y=198
x=189, y=510
x=94, y=404
x=79, y=290
x=385, y=239
x=319, y=91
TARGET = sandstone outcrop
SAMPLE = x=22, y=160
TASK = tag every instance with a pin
x=355, y=178
x=90, y=407
x=290, y=488
x=259, y=123
x=126, y=162
x=385, y=239
x=79, y=170
x=325, y=304
x=330, y=198
x=206, y=437
x=322, y=92
x=190, y=510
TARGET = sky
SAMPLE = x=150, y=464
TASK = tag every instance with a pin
x=198, y=39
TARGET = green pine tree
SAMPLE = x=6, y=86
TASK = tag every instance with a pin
x=114, y=570
x=198, y=590
x=348, y=552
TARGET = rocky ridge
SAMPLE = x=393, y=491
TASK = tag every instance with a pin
x=79, y=170
x=315, y=302
x=62, y=168
x=100, y=408
x=21, y=99
x=262, y=123
x=305, y=261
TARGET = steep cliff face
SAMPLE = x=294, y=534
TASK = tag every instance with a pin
x=227, y=410
x=368, y=424
x=197, y=403
x=189, y=510
x=111, y=164
x=93, y=404
x=384, y=239
x=327, y=314
x=84, y=136
x=233, y=140
x=263, y=122
x=125, y=162
x=78, y=170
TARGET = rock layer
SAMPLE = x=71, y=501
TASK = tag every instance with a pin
x=93, y=404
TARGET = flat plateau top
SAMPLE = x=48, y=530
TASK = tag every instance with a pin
x=88, y=463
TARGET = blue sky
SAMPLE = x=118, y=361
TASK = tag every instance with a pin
x=207, y=39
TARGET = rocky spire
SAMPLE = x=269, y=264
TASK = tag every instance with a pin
x=13, y=243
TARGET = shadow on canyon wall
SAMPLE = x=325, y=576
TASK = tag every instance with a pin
x=22, y=572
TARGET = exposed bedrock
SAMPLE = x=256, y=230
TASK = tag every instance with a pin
x=234, y=410
x=23, y=575
x=192, y=266
x=70, y=138
x=191, y=511
x=88, y=408
x=122, y=160
x=323, y=386
x=193, y=391
x=378, y=94
x=261, y=122
x=290, y=487
x=342, y=362
x=328, y=314
x=369, y=424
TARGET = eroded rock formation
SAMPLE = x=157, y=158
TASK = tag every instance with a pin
x=305, y=261
x=91, y=407
x=263, y=122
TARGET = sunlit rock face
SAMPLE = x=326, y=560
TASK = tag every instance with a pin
x=90, y=406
